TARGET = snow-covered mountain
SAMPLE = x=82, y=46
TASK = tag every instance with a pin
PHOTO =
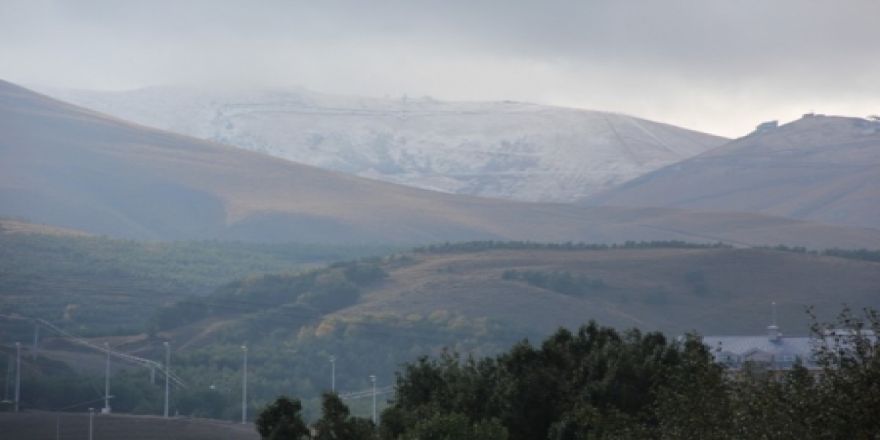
x=505, y=149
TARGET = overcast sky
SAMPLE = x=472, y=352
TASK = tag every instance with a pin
x=715, y=66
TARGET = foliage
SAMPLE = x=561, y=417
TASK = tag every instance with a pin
x=596, y=382
x=281, y=420
x=479, y=246
x=600, y=384
x=99, y=285
x=337, y=423
x=852, y=254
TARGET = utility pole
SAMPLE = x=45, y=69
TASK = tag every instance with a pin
x=333, y=374
x=373, y=379
x=91, y=422
x=244, y=386
x=152, y=375
x=36, y=340
x=106, y=409
x=17, y=374
x=167, y=373
x=57, y=427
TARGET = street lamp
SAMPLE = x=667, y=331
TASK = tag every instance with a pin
x=91, y=422
x=373, y=380
x=333, y=373
x=167, y=373
x=106, y=409
x=244, y=386
x=17, y=374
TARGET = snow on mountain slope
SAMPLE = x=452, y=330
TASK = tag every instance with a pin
x=496, y=149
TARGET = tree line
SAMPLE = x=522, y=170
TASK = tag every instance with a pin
x=598, y=383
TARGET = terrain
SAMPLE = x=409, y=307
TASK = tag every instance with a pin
x=66, y=166
x=473, y=298
x=818, y=168
x=507, y=149
x=98, y=285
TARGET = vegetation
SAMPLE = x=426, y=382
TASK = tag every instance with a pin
x=558, y=281
x=281, y=420
x=852, y=254
x=98, y=285
x=601, y=384
x=479, y=246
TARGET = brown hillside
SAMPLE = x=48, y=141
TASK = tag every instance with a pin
x=71, y=167
x=674, y=290
x=819, y=168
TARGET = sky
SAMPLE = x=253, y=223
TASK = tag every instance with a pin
x=715, y=66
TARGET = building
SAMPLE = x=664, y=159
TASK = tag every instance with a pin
x=772, y=350
x=777, y=352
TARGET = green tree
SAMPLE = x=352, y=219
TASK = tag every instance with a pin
x=336, y=423
x=281, y=420
x=456, y=426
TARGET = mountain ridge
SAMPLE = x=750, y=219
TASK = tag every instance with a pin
x=818, y=168
x=505, y=149
x=66, y=166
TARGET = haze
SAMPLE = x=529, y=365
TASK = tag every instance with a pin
x=714, y=66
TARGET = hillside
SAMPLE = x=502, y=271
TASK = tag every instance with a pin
x=98, y=285
x=476, y=299
x=819, y=168
x=674, y=290
x=510, y=150
x=67, y=166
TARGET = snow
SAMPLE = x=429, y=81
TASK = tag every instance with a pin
x=503, y=149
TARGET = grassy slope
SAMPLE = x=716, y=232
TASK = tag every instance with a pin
x=710, y=290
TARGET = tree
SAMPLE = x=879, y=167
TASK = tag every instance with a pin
x=336, y=423
x=455, y=426
x=281, y=420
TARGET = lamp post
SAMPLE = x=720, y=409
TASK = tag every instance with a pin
x=106, y=409
x=91, y=422
x=17, y=374
x=167, y=373
x=244, y=386
x=333, y=374
x=373, y=380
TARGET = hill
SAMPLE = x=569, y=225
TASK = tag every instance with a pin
x=672, y=289
x=510, y=150
x=66, y=166
x=98, y=285
x=42, y=425
x=374, y=314
x=818, y=168
x=476, y=299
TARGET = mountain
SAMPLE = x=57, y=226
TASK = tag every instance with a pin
x=509, y=150
x=818, y=168
x=67, y=166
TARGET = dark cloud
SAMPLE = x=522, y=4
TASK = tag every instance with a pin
x=712, y=65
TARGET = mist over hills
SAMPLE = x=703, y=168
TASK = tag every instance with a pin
x=509, y=150
x=67, y=166
x=818, y=168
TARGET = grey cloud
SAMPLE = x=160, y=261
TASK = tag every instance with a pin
x=651, y=58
